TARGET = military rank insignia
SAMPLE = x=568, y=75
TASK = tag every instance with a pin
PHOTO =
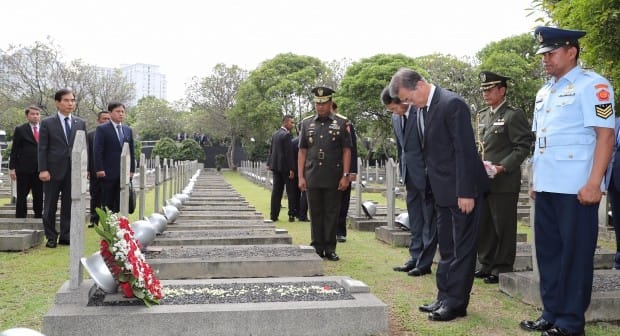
x=603, y=110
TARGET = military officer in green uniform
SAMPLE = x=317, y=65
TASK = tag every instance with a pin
x=323, y=163
x=505, y=138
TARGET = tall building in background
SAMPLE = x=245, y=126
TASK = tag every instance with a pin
x=147, y=80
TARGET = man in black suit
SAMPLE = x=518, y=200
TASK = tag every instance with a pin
x=295, y=192
x=109, y=140
x=420, y=201
x=56, y=139
x=94, y=185
x=23, y=164
x=458, y=182
x=280, y=162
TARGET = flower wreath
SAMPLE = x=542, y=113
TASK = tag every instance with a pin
x=122, y=253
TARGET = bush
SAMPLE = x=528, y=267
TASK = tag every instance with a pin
x=166, y=148
x=219, y=161
x=190, y=150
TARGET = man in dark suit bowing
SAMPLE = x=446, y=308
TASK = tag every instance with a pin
x=280, y=162
x=94, y=187
x=458, y=181
x=56, y=139
x=109, y=140
x=420, y=202
x=23, y=164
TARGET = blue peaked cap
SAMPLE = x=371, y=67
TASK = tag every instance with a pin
x=551, y=38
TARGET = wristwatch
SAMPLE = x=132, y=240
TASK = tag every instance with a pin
x=345, y=174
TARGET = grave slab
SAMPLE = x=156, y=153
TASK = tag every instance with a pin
x=20, y=240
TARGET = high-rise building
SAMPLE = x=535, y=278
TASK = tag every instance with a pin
x=147, y=80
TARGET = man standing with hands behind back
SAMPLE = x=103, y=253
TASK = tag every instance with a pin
x=506, y=140
x=281, y=162
x=23, y=164
x=55, y=144
x=109, y=140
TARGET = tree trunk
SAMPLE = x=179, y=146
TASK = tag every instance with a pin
x=230, y=153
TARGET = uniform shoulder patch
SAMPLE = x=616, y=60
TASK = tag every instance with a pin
x=603, y=110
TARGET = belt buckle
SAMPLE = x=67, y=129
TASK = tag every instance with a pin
x=542, y=142
x=321, y=155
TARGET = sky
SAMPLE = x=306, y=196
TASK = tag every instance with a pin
x=187, y=38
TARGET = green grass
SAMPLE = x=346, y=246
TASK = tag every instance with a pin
x=365, y=258
x=29, y=280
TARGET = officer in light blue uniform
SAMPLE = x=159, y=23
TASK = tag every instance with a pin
x=574, y=126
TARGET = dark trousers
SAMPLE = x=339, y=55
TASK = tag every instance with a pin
x=497, y=233
x=324, y=205
x=280, y=181
x=303, y=206
x=423, y=227
x=566, y=234
x=341, y=229
x=457, y=233
x=111, y=194
x=95, y=198
x=294, y=198
x=52, y=190
x=29, y=182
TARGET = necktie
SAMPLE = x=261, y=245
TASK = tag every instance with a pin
x=404, y=123
x=35, y=132
x=121, y=137
x=67, y=129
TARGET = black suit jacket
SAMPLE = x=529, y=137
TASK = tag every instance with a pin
x=23, y=156
x=90, y=141
x=453, y=165
x=409, y=150
x=107, y=150
x=54, y=152
x=281, y=153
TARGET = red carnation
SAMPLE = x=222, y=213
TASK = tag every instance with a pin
x=127, y=291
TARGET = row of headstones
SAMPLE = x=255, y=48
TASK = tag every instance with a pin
x=170, y=178
x=366, y=173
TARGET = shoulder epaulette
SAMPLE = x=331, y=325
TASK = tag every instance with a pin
x=308, y=117
x=341, y=116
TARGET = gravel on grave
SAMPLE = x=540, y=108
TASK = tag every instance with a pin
x=215, y=233
x=221, y=252
x=239, y=293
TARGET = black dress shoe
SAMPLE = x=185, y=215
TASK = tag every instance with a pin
x=404, y=268
x=539, y=325
x=446, y=314
x=341, y=239
x=419, y=272
x=51, y=244
x=491, y=279
x=63, y=242
x=321, y=254
x=332, y=256
x=481, y=274
x=291, y=219
x=91, y=225
x=431, y=307
x=303, y=219
x=557, y=331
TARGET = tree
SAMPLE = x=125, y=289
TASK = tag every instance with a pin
x=154, y=119
x=212, y=98
x=601, y=20
x=279, y=86
x=516, y=58
x=359, y=97
x=452, y=73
